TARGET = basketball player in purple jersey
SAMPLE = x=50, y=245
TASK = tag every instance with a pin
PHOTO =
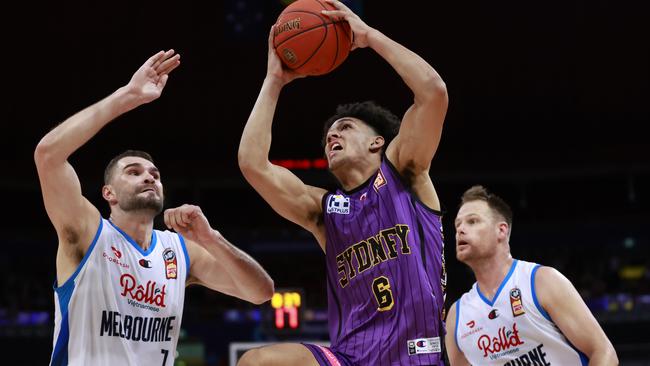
x=381, y=231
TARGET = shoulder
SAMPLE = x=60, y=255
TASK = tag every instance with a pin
x=550, y=284
x=545, y=276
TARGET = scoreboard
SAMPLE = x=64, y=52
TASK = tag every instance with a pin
x=287, y=310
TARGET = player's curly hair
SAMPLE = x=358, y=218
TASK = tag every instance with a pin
x=380, y=119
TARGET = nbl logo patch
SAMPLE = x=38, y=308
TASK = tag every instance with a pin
x=515, y=302
x=339, y=204
x=171, y=266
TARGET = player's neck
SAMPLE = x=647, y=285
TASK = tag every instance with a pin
x=352, y=176
x=490, y=273
x=136, y=226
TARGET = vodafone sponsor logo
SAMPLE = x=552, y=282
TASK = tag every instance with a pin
x=148, y=294
x=504, y=340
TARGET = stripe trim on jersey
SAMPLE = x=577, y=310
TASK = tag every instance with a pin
x=583, y=358
x=503, y=283
x=187, y=257
x=135, y=245
x=532, y=286
x=457, y=318
x=410, y=190
x=64, y=293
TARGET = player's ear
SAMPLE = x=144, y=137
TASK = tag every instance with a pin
x=503, y=230
x=377, y=143
x=109, y=194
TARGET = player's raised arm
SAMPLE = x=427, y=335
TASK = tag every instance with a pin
x=413, y=148
x=214, y=261
x=282, y=189
x=417, y=141
x=75, y=218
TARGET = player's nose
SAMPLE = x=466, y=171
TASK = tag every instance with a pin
x=331, y=136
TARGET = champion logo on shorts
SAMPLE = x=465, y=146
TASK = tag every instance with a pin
x=424, y=345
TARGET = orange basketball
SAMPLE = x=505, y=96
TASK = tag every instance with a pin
x=309, y=42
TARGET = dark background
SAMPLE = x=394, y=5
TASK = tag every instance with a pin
x=548, y=102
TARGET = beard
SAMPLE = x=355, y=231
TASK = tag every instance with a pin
x=139, y=203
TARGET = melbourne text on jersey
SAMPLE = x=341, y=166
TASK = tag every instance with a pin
x=136, y=328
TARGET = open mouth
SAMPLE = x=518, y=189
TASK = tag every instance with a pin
x=334, y=148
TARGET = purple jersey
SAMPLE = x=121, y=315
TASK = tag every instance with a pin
x=386, y=273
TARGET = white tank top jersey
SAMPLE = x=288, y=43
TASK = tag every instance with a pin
x=512, y=328
x=122, y=305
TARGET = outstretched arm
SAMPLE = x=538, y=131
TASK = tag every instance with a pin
x=75, y=218
x=569, y=312
x=214, y=262
x=283, y=190
x=419, y=135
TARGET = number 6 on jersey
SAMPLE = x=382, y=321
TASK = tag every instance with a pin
x=383, y=294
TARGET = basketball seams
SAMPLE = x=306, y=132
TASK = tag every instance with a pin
x=321, y=44
x=315, y=51
x=336, y=34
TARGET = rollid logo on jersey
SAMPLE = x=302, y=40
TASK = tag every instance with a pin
x=148, y=294
x=171, y=267
x=338, y=204
x=380, y=181
x=516, y=303
x=505, y=342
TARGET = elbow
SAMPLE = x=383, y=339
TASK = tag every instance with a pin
x=43, y=153
x=246, y=162
x=265, y=293
x=434, y=91
x=251, y=167
x=611, y=355
x=437, y=89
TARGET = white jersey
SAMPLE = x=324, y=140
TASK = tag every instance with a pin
x=123, y=305
x=512, y=328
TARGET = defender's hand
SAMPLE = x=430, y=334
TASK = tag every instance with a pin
x=149, y=81
x=189, y=221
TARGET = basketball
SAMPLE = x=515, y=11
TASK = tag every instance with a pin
x=308, y=42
